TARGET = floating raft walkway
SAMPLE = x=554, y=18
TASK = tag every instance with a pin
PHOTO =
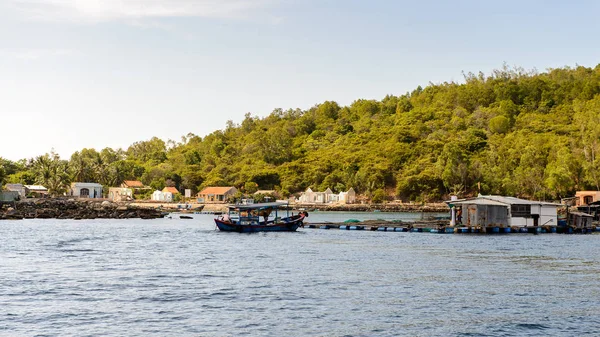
x=433, y=227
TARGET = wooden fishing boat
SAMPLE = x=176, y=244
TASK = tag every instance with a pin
x=262, y=217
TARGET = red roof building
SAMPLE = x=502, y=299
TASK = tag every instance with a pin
x=171, y=189
x=132, y=184
x=215, y=194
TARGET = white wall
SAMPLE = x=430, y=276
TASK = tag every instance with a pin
x=547, y=213
x=77, y=187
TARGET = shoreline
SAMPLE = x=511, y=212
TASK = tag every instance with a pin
x=63, y=208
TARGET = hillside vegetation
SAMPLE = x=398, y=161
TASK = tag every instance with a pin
x=512, y=132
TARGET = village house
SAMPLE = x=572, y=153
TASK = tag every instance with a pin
x=583, y=198
x=8, y=197
x=133, y=184
x=215, y=194
x=171, y=189
x=19, y=188
x=136, y=186
x=36, y=191
x=494, y=210
x=311, y=197
x=120, y=193
x=86, y=190
x=266, y=192
x=348, y=197
x=162, y=196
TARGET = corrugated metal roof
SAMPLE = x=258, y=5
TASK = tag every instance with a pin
x=36, y=188
x=258, y=206
x=478, y=201
x=582, y=214
x=500, y=200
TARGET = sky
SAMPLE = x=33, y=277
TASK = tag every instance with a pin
x=80, y=74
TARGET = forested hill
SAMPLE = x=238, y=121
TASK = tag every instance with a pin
x=512, y=132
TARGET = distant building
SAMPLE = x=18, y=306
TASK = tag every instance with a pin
x=86, y=190
x=216, y=194
x=162, y=196
x=19, y=188
x=348, y=197
x=133, y=184
x=311, y=197
x=171, y=190
x=266, y=192
x=8, y=196
x=494, y=210
x=37, y=191
x=120, y=193
x=586, y=197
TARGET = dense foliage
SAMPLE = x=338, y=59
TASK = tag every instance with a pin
x=513, y=132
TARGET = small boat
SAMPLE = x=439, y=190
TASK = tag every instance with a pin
x=185, y=217
x=263, y=217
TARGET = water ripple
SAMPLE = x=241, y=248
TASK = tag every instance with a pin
x=182, y=278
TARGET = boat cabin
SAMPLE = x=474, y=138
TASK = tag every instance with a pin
x=255, y=214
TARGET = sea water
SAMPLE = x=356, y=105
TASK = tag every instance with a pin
x=175, y=277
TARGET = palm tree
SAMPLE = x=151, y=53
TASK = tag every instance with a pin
x=52, y=172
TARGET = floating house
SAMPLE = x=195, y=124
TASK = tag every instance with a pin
x=580, y=219
x=218, y=195
x=120, y=193
x=86, y=190
x=592, y=208
x=500, y=211
x=19, y=188
x=162, y=196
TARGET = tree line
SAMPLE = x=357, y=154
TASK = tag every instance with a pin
x=511, y=132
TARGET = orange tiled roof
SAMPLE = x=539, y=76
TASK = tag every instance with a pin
x=171, y=189
x=215, y=190
x=133, y=183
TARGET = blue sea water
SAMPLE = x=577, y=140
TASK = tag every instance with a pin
x=182, y=278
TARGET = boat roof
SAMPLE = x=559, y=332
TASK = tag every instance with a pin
x=263, y=205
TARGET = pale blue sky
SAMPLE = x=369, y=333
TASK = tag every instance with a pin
x=107, y=73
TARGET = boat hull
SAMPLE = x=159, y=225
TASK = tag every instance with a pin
x=289, y=226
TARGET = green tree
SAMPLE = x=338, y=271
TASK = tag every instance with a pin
x=52, y=173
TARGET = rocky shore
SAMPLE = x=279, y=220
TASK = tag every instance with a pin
x=74, y=209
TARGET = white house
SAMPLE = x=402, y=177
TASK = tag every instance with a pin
x=348, y=197
x=162, y=196
x=86, y=190
x=120, y=193
x=311, y=197
x=494, y=210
